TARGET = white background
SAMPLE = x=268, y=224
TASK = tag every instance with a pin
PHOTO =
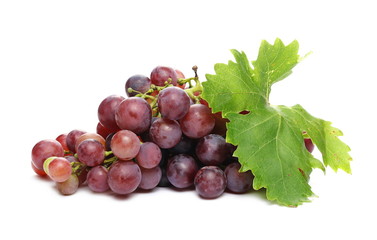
x=59, y=59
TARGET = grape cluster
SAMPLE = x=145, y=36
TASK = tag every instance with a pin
x=162, y=134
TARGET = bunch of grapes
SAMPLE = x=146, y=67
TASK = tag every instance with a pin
x=163, y=134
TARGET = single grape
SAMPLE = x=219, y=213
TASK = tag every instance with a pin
x=210, y=182
x=45, y=149
x=138, y=83
x=40, y=172
x=103, y=131
x=150, y=178
x=161, y=74
x=69, y=186
x=62, y=140
x=181, y=170
x=72, y=138
x=124, y=177
x=238, y=182
x=106, y=112
x=57, y=168
x=198, y=121
x=93, y=136
x=309, y=144
x=173, y=103
x=149, y=155
x=134, y=114
x=125, y=145
x=212, y=150
x=165, y=133
x=91, y=152
x=97, y=179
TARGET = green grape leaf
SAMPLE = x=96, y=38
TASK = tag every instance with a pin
x=325, y=137
x=237, y=86
x=270, y=139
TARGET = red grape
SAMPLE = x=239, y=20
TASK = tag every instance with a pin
x=45, y=149
x=125, y=145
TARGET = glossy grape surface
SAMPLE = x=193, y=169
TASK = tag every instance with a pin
x=238, y=182
x=198, y=122
x=69, y=186
x=91, y=152
x=165, y=133
x=97, y=179
x=181, y=170
x=139, y=83
x=134, y=114
x=124, y=177
x=150, y=178
x=72, y=137
x=45, y=149
x=173, y=103
x=125, y=145
x=161, y=74
x=212, y=150
x=210, y=182
x=106, y=111
x=149, y=155
x=58, y=169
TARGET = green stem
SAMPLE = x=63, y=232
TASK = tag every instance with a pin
x=77, y=167
x=108, y=162
x=197, y=88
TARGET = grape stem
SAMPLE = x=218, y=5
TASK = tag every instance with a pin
x=77, y=167
x=108, y=162
x=194, y=92
x=198, y=88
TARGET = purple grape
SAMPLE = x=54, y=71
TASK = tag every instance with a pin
x=149, y=155
x=210, y=182
x=139, y=83
x=212, y=150
x=181, y=170
x=165, y=133
x=150, y=178
x=97, y=179
x=69, y=186
x=91, y=152
x=134, y=114
x=124, y=177
x=173, y=103
x=71, y=139
x=57, y=168
x=309, y=144
x=238, y=182
x=106, y=112
x=125, y=145
x=161, y=74
x=198, y=122
x=45, y=149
